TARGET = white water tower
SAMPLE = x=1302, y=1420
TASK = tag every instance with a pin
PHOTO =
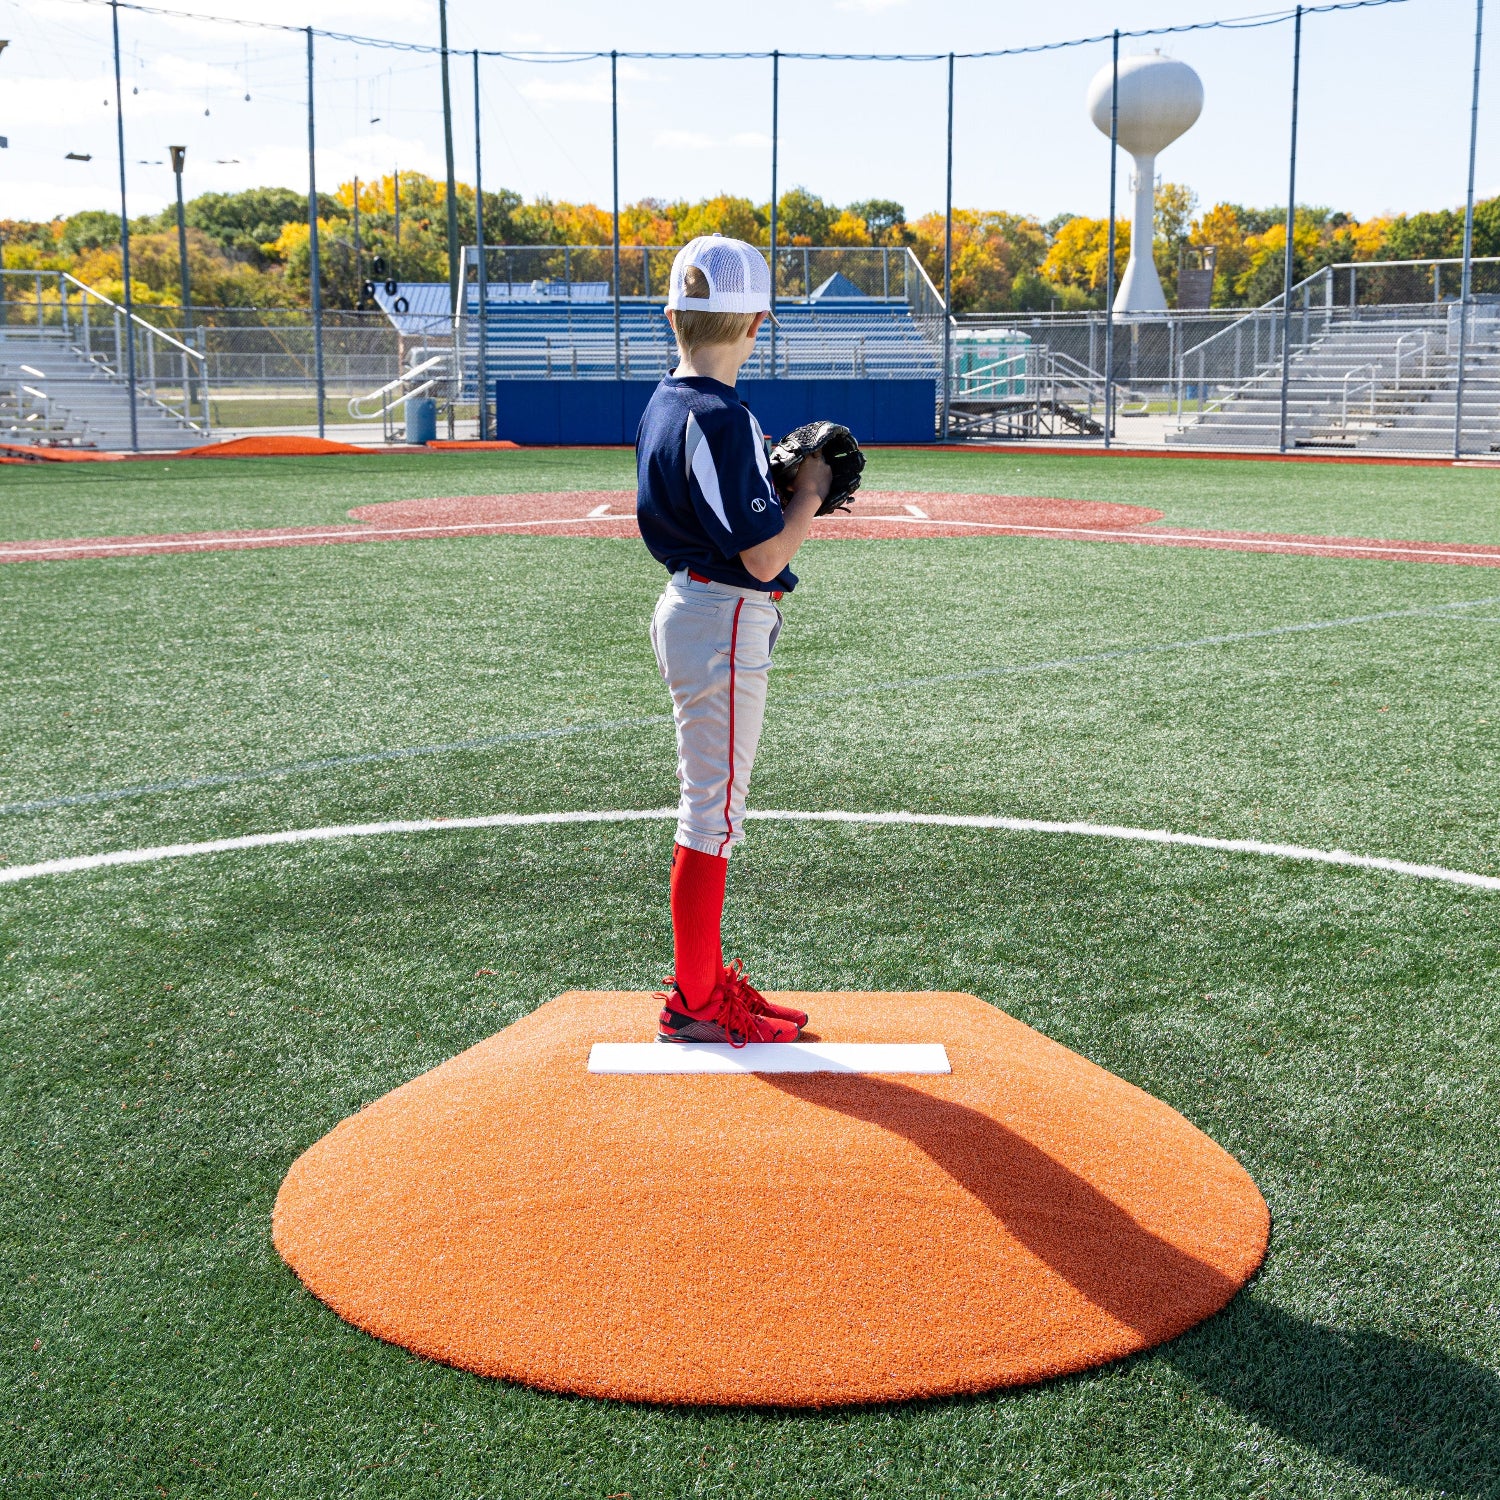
x=1160, y=98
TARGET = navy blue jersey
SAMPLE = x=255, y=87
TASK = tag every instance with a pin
x=704, y=490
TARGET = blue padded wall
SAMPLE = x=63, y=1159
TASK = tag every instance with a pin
x=542, y=412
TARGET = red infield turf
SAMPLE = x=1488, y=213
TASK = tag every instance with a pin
x=878, y=515
x=787, y=1240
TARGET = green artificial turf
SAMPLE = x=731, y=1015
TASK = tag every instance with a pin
x=174, y=1034
x=169, y=495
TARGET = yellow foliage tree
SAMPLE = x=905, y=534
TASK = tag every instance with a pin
x=1079, y=254
x=848, y=229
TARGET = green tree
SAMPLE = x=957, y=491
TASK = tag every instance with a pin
x=92, y=229
x=246, y=222
x=803, y=218
x=884, y=218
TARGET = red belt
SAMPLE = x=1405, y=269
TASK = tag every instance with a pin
x=699, y=578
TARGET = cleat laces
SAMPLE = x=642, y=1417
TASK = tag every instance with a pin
x=735, y=981
x=736, y=1014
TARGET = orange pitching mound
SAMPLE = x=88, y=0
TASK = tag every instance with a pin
x=796, y=1240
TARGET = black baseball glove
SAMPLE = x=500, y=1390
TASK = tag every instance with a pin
x=840, y=452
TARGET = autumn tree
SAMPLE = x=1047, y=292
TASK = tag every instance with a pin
x=1078, y=256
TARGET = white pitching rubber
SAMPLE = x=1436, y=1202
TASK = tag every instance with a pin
x=769, y=1057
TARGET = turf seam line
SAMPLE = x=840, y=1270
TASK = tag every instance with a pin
x=644, y=721
x=1298, y=852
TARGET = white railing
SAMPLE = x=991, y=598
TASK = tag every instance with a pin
x=394, y=392
x=1350, y=376
x=1425, y=338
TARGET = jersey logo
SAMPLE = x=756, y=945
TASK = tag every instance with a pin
x=757, y=505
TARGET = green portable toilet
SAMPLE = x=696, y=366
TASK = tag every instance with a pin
x=990, y=364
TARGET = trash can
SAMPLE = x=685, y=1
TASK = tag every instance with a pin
x=421, y=419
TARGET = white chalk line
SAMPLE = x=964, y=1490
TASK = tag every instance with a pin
x=1298, y=852
x=1216, y=540
x=1219, y=540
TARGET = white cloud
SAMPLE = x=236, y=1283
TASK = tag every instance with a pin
x=594, y=90
x=684, y=140
x=698, y=140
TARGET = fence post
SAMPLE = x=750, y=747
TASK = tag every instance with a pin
x=1109, y=270
x=481, y=382
x=1467, y=289
x=948, y=265
x=775, y=164
x=135, y=436
x=452, y=186
x=1291, y=221
x=313, y=268
x=614, y=156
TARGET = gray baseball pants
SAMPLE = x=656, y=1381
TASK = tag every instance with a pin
x=713, y=644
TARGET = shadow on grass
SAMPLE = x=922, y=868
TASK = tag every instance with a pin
x=1390, y=1406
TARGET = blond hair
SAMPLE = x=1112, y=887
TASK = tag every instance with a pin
x=696, y=330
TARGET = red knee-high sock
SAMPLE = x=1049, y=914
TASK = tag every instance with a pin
x=697, y=909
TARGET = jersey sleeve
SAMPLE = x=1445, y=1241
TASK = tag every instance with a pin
x=729, y=480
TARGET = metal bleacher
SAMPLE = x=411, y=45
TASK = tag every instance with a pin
x=874, y=340
x=873, y=315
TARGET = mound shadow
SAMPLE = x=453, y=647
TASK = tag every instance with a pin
x=1087, y=1239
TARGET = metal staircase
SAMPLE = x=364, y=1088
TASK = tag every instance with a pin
x=63, y=380
x=1373, y=377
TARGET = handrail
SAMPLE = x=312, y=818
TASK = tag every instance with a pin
x=1348, y=376
x=1274, y=305
x=1417, y=334
x=99, y=296
x=356, y=402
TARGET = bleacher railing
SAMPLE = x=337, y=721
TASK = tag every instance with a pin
x=585, y=273
x=48, y=308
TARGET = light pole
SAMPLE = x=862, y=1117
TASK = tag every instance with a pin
x=452, y=186
x=179, y=153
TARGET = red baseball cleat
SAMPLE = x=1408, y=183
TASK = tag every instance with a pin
x=726, y=1018
x=755, y=1002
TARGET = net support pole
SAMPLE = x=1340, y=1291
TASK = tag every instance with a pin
x=948, y=266
x=481, y=379
x=452, y=186
x=1467, y=289
x=135, y=436
x=614, y=167
x=314, y=268
x=1289, y=266
x=775, y=162
x=1109, y=249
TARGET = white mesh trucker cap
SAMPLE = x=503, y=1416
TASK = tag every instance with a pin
x=739, y=279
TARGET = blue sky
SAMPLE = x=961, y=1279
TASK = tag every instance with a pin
x=1384, y=125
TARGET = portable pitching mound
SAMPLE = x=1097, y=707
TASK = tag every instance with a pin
x=798, y=1239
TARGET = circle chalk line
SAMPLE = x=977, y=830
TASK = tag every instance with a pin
x=1297, y=852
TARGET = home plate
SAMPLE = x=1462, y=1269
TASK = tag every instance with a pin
x=769, y=1057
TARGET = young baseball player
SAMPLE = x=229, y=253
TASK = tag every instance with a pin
x=710, y=513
